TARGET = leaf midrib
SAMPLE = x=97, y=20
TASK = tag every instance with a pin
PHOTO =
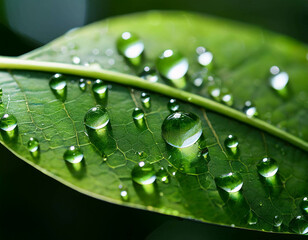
x=134, y=81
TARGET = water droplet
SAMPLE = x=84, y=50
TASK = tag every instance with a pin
x=1, y=92
x=172, y=171
x=299, y=225
x=181, y=129
x=252, y=218
x=82, y=84
x=205, y=58
x=250, y=110
x=204, y=153
x=58, y=86
x=138, y=116
x=8, y=122
x=143, y=173
x=231, y=182
x=33, y=145
x=173, y=66
x=277, y=221
x=268, y=167
x=173, y=105
x=149, y=74
x=96, y=118
x=100, y=91
x=76, y=60
x=73, y=155
x=131, y=47
x=123, y=193
x=162, y=175
x=215, y=92
x=226, y=97
x=279, y=81
x=146, y=100
x=231, y=144
x=304, y=205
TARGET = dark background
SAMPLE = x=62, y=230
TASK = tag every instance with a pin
x=34, y=206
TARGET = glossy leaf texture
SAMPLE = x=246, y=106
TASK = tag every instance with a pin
x=213, y=168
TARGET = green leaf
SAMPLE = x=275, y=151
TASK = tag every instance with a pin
x=191, y=182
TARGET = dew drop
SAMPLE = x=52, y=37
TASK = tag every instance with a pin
x=76, y=60
x=268, y=167
x=146, y=100
x=277, y=221
x=58, y=86
x=82, y=84
x=143, y=173
x=181, y=129
x=231, y=182
x=173, y=105
x=279, y=81
x=138, y=114
x=304, y=205
x=215, y=92
x=162, y=175
x=73, y=155
x=250, y=110
x=226, y=97
x=205, y=58
x=252, y=218
x=131, y=47
x=33, y=145
x=123, y=193
x=149, y=74
x=299, y=225
x=8, y=122
x=173, y=66
x=231, y=144
x=100, y=91
x=172, y=171
x=96, y=118
x=204, y=153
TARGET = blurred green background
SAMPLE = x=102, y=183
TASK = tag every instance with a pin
x=33, y=206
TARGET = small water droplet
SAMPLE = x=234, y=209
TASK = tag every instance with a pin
x=204, y=153
x=173, y=105
x=100, y=91
x=205, y=58
x=226, y=97
x=123, y=193
x=58, y=86
x=215, y=92
x=76, y=60
x=299, y=225
x=231, y=144
x=73, y=155
x=146, y=100
x=304, y=205
x=33, y=145
x=162, y=175
x=96, y=118
x=173, y=66
x=231, y=182
x=149, y=74
x=250, y=110
x=8, y=122
x=181, y=129
x=82, y=84
x=138, y=116
x=143, y=173
x=279, y=81
x=131, y=47
x=277, y=221
x=252, y=218
x=268, y=167
x=172, y=171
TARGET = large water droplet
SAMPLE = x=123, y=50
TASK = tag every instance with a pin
x=146, y=100
x=73, y=155
x=58, y=86
x=173, y=105
x=231, y=182
x=149, y=74
x=268, y=167
x=205, y=58
x=231, y=144
x=299, y=225
x=96, y=118
x=250, y=110
x=181, y=129
x=8, y=122
x=100, y=91
x=131, y=47
x=143, y=173
x=173, y=66
x=279, y=81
